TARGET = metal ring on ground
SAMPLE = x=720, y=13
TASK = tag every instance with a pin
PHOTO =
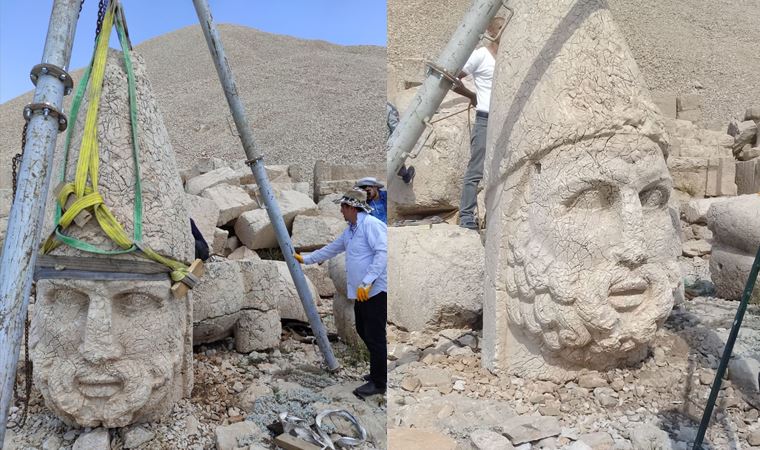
x=344, y=441
x=51, y=69
x=46, y=109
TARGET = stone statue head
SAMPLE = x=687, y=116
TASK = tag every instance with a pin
x=110, y=352
x=581, y=241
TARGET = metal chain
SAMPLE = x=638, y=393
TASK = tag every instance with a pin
x=101, y=15
x=17, y=159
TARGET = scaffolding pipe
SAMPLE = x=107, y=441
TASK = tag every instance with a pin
x=255, y=161
x=727, y=351
x=430, y=95
x=22, y=238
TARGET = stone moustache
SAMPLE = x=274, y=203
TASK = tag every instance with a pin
x=581, y=243
x=111, y=353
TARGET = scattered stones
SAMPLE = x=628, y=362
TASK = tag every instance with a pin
x=522, y=429
x=135, y=436
x=227, y=437
x=648, y=437
x=97, y=439
x=489, y=440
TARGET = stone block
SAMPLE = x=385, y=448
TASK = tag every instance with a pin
x=313, y=232
x=435, y=277
x=694, y=115
x=729, y=271
x=337, y=178
x=695, y=211
x=219, y=242
x=744, y=134
x=205, y=214
x=223, y=175
x=690, y=102
x=320, y=277
x=243, y=253
x=721, y=176
x=254, y=229
x=667, y=102
x=689, y=175
x=232, y=201
x=275, y=173
x=748, y=176
x=752, y=113
x=736, y=222
x=328, y=208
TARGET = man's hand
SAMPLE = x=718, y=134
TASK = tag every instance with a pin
x=362, y=292
x=298, y=257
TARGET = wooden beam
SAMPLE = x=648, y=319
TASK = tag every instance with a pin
x=179, y=289
x=92, y=264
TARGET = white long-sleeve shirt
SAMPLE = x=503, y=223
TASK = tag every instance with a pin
x=366, y=247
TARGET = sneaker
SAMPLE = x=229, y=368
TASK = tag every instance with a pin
x=470, y=225
x=368, y=389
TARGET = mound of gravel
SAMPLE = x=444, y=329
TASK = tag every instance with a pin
x=306, y=100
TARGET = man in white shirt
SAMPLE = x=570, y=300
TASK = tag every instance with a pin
x=481, y=66
x=365, y=242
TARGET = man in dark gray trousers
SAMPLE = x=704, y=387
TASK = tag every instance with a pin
x=481, y=66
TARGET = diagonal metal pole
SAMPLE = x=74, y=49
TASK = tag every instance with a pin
x=438, y=82
x=255, y=161
x=25, y=222
x=748, y=288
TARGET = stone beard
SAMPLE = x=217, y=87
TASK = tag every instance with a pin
x=591, y=249
x=109, y=353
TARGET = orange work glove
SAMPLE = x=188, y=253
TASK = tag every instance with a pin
x=298, y=257
x=362, y=292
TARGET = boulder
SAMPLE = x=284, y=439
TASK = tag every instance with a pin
x=237, y=298
x=440, y=165
x=222, y=175
x=219, y=242
x=435, y=277
x=243, y=253
x=254, y=229
x=744, y=133
x=736, y=223
x=205, y=214
x=328, y=208
x=695, y=211
x=729, y=272
x=313, y=232
x=320, y=277
x=232, y=201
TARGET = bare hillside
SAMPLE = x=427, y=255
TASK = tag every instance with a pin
x=306, y=100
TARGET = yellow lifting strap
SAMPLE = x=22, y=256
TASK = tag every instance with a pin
x=86, y=196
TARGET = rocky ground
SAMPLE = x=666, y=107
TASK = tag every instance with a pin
x=438, y=393
x=235, y=397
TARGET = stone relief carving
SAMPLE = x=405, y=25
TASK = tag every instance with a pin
x=115, y=352
x=581, y=242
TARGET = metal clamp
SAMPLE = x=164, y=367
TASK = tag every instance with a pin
x=433, y=67
x=503, y=27
x=421, y=142
x=254, y=161
x=190, y=280
x=53, y=70
x=46, y=109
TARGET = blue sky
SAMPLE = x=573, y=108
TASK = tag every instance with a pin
x=23, y=26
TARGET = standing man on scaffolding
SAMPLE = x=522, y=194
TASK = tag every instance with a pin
x=365, y=242
x=481, y=66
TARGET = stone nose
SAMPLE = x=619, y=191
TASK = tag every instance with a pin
x=100, y=344
x=632, y=248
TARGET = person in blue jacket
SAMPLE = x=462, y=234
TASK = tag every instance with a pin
x=377, y=197
x=365, y=242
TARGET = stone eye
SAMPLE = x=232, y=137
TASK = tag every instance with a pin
x=655, y=197
x=129, y=303
x=593, y=198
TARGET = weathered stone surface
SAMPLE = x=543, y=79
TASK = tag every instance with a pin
x=523, y=429
x=275, y=173
x=649, y=437
x=419, y=439
x=238, y=298
x=729, y=271
x=696, y=247
x=736, y=222
x=435, y=277
x=232, y=201
x=227, y=436
x=695, y=211
x=136, y=436
x=254, y=229
x=97, y=439
x=440, y=166
x=744, y=134
x=343, y=308
x=328, y=208
x=111, y=353
x=748, y=153
x=598, y=441
x=338, y=178
x=688, y=140
x=666, y=102
x=748, y=176
x=489, y=440
x=721, y=175
x=222, y=175
x=690, y=102
x=243, y=253
x=320, y=277
x=313, y=232
x=218, y=244
x=561, y=296
x=205, y=214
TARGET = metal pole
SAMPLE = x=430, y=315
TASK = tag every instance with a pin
x=433, y=90
x=255, y=161
x=727, y=352
x=25, y=222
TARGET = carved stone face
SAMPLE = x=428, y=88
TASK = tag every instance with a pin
x=592, y=267
x=108, y=352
